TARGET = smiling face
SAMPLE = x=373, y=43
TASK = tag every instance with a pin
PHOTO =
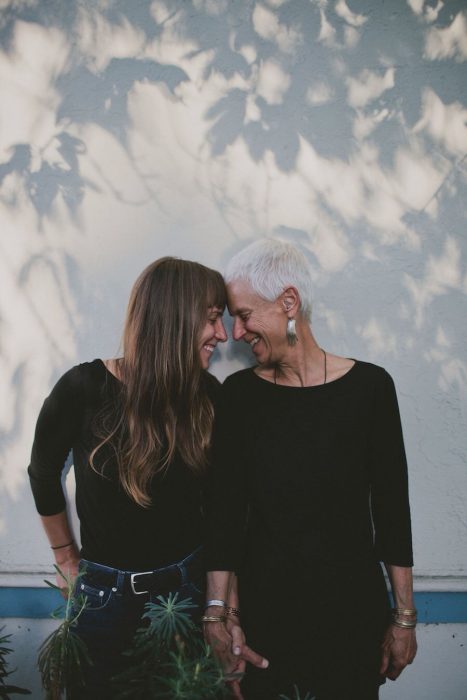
x=258, y=322
x=212, y=333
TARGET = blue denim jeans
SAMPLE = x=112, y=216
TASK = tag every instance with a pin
x=113, y=613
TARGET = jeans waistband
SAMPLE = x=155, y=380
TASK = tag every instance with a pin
x=162, y=580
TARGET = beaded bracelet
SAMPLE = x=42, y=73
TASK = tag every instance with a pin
x=232, y=611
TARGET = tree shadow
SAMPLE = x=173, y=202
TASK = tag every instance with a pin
x=328, y=97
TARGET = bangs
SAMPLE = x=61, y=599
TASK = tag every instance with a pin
x=215, y=290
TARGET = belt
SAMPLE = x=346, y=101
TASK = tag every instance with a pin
x=161, y=580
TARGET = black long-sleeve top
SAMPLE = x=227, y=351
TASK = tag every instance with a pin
x=308, y=475
x=115, y=530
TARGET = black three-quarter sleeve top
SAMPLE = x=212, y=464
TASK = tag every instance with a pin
x=115, y=530
x=302, y=475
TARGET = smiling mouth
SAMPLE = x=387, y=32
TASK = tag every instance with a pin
x=209, y=348
x=254, y=341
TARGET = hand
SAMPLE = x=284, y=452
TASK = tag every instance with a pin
x=243, y=652
x=399, y=649
x=228, y=643
x=239, y=647
x=220, y=641
x=68, y=563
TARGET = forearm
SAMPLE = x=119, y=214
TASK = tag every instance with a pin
x=218, y=585
x=226, y=638
x=399, y=643
x=58, y=531
x=401, y=581
x=232, y=600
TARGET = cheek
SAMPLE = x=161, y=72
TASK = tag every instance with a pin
x=264, y=329
x=207, y=334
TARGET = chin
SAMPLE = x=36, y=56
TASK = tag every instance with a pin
x=204, y=362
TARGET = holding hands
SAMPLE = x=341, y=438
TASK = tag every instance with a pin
x=225, y=636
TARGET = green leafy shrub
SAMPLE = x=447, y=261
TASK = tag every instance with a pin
x=63, y=654
x=297, y=696
x=169, y=659
x=7, y=690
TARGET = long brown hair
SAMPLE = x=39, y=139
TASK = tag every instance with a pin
x=165, y=408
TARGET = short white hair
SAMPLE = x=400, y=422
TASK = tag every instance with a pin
x=270, y=266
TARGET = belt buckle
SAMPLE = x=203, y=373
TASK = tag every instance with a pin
x=132, y=581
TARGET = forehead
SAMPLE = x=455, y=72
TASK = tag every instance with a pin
x=241, y=296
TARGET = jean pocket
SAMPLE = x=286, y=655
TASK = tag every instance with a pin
x=96, y=598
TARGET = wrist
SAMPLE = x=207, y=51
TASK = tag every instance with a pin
x=397, y=629
x=66, y=554
x=404, y=618
x=215, y=611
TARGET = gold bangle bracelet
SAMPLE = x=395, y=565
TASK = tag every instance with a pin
x=404, y=625
x=213, y=618
x=404, y=611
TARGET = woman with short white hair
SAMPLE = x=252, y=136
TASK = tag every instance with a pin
x=308, y=495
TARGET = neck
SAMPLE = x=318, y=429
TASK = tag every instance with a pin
x=302, y=365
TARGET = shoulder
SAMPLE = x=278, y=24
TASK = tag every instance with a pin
x=375, y=381
x=236, y=388
x=239, y=380
x=212, y=385
x=373, y=373
x=80, y=379
x=85, y=373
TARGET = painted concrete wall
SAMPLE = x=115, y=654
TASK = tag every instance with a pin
x=131, y=130
x=440, y=672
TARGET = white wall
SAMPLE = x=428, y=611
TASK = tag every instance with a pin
x=191, y=127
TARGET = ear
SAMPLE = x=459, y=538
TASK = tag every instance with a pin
x=290, y=301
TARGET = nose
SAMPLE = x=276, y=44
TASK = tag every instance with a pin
x=238, y=330
x=221, y=333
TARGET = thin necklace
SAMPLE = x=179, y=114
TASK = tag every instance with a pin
x=325, y=368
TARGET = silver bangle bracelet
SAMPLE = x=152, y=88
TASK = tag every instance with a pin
x=215, y=603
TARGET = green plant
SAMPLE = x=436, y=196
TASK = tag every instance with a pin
x=7, y=690
x=63, y=654
x=169, y=659
x=297, y=696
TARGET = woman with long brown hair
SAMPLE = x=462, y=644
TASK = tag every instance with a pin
x=139, y=428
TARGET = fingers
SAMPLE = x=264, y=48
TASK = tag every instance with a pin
x=392, y=666
x=394, y=671
x=384, y=661
x=238, y=640
x=235, y=688
x=243, y=651
x=253, y=658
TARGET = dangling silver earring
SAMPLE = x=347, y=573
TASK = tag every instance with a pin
x=291, y=332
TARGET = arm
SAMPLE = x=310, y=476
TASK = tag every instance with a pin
x=55, y=433
x=216, y=634
x=391, y=517
x=399, y=644
x=226, y=509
